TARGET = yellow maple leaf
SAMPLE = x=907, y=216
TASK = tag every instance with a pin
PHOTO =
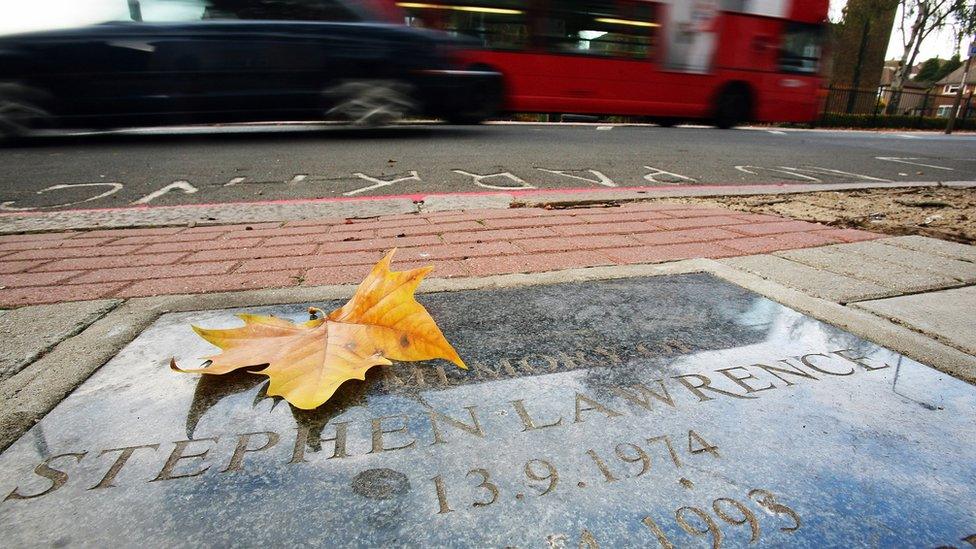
x=307, y=362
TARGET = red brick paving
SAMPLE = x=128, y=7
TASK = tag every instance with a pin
x=120, y=263
x=787, y=241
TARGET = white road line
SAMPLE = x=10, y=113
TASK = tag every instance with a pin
x=601, y=179
x=379, y=183
x=776, y=132
x=786, y=171
x=113, y=188
x=671, y=177
x=479, y=180
x=828, y=171
x=184, y=186
x=604, y=127
x=906, y=159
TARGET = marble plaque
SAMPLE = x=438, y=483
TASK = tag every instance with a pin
x=666, y=411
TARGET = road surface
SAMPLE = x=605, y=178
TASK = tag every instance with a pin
x=264, y=163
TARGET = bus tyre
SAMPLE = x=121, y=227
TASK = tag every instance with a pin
x=466, y=119
x=486, y=102
x=732, y=107
x=20, y=112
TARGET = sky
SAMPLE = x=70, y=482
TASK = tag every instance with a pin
x=938, y=44
x=26, y=15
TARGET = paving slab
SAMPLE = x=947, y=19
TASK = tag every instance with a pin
x=895, y=276
x=814, y=281
x=448, y=202
x=627, y=412
x=919, y=260
x=29, y=332
x=948, y=315
x=945, y=248
x=202, y=214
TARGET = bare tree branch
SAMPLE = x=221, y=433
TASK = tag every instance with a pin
x=925, y=17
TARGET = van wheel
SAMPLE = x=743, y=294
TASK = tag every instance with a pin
x=370, y=103
x=733, y=107
x=20, y=113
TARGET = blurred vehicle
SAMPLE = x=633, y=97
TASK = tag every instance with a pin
x=728, y=61
x=215, y=68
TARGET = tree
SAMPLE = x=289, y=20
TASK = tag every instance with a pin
x=919, y=18
x=929, y=71
x=965, y=26
x=950, y=65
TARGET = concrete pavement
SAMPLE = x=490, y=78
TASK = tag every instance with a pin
x=79, y=296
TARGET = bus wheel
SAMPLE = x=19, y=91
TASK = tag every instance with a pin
x=666, y=122
x=20, y=114
x=732, y=107
x=484, y=102
x=466, y=119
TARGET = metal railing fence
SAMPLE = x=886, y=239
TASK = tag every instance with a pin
x=884, y=101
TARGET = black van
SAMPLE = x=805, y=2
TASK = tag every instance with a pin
x=219, y=69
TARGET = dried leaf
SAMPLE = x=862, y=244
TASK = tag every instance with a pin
x=307, y=362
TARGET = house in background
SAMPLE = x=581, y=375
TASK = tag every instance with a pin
x=916, y=98
x=945, y=91
x=891, y=66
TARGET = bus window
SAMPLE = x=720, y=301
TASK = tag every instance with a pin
x=497, y=24
x=602, y=28
x=801, y=48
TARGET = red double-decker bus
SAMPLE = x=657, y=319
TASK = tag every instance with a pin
x=727, y=61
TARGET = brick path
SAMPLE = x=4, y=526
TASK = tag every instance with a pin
x=73, y=266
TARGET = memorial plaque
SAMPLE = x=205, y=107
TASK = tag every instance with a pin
x=662, y=411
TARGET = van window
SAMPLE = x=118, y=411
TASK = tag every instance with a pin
x=281, y=10
x=160, y=11
x=167, y=11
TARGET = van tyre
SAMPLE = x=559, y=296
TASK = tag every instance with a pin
x=370, y=103
x=20, y=112
x=733, y=107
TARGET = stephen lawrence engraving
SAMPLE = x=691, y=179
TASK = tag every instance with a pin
x=188, y=458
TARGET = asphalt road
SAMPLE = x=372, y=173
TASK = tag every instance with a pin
x=260, y=163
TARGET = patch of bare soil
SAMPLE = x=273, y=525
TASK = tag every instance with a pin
x=938, y=212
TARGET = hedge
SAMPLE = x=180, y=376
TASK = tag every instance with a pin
x=826, y=120
x=843, y=120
